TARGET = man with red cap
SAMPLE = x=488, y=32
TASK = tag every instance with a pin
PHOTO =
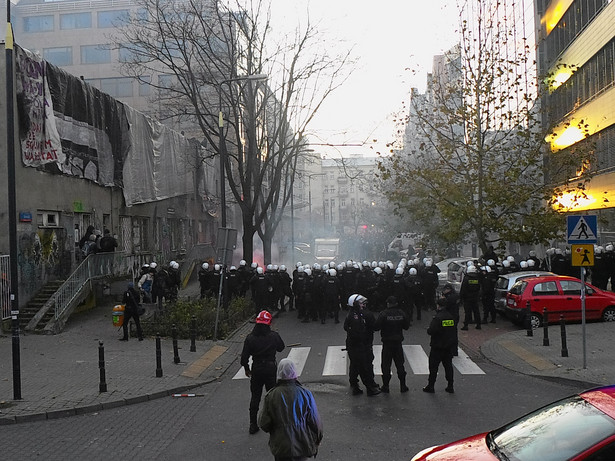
x=261, y=344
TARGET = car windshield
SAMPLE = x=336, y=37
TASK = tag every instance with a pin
x=502, y=283
x=518, y=287
x=556, y=432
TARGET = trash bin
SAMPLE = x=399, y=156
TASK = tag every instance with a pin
x=118, y=315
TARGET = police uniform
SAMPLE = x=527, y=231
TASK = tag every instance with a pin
x=443, y=342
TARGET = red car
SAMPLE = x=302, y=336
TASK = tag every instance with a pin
x=560, y=295
x=580, y=427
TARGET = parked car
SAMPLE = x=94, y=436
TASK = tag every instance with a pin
x=560, y=294
x=443, y=274
x=505, y=283
x=456, y=270
x=579, y=427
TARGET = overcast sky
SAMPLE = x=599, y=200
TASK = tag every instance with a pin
x=389, y=37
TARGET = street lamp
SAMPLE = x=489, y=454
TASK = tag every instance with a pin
x=222, y=141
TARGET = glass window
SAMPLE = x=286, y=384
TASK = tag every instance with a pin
x=117, y=87
x=570, y=287
x=145, y=88
x=561, y=430
x=95, y=54
x=76, y=21
x=38, y=24
x=107, y=19
x=545, y=288
x=165, y=81
x=60, y=56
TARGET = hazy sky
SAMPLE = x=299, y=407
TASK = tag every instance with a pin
x=389, y=37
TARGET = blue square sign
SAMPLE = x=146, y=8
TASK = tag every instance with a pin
x=581, y=229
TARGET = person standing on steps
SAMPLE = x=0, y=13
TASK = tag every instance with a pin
x=261, y=344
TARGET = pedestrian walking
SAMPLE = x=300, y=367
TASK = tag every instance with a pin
x=443, y=342
x=391, y=322
x=359, y=326
x=291, y=418
x=261, y=344
x=131, y=311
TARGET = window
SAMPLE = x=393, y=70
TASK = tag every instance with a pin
x=570, y=287
x=60, y=56
x=108, y=19
x=48, y=219
x=145, y=88
x=117, y=87
x=95, y=54
x=38, y=24
x=545, y=288
x=76, y=21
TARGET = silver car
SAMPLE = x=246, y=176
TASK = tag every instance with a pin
x=505, y=283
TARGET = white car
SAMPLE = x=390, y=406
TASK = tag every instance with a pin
x=505, y=283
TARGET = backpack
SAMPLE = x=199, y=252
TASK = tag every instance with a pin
x=87, y=247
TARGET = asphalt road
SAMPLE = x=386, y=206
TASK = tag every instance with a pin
x=214, y=425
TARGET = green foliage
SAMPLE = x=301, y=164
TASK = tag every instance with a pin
x=204, y=310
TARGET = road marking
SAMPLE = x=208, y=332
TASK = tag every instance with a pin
x=465, y=365
x=417, y=358
x=335, y=361
x=299, y=356
x=201, y=364
x=534, y=360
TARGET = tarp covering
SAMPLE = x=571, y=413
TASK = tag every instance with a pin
x=158, y=165
x=69, y=127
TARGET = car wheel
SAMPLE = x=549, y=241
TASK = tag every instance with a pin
x=609, y=314
x=535, y=320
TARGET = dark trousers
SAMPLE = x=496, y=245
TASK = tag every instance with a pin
x=361, y=364
x=488, y=307
x=445, y=357
x=471, y=309
x=392, y=351
x=132, y=314
x=262, y=375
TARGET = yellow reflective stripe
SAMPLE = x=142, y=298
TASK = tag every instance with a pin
x=448, y=323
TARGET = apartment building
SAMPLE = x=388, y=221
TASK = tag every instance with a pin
x=577, y=53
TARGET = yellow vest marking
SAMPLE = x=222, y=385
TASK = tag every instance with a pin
x=448, y=323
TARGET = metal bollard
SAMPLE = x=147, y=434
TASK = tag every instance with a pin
x=175, y=348
x=528, y=320
x=158, y=357
x=545, y=326
x=102, y=387
x=193, y=334
x=562, y=324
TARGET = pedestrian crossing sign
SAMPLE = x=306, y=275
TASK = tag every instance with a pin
x=582, y=255
x=582, y=229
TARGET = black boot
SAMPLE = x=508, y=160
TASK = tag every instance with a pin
x=402, y=384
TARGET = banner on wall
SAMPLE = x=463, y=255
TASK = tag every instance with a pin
x=69, y=127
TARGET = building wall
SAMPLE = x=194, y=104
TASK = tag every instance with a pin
x=54, y=211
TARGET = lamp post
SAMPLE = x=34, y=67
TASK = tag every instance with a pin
x=222, y=140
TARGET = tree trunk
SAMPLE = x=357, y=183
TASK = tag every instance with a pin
x=267, y=249
x=248, y=238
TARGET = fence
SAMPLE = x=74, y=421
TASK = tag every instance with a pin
x=93, y=267
x=5, y=286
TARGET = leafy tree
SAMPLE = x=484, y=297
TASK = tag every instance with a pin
x=211, y=51
x=472, y=166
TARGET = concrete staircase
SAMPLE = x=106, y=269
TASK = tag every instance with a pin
x=35, y=304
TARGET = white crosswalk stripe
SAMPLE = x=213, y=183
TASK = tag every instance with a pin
x=336, y=361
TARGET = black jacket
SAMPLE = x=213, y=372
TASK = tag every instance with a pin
x=442, y=330
x=262, y=344
x=391, y=322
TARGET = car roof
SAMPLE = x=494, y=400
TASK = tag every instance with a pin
x=602, y=398
x=537, y=273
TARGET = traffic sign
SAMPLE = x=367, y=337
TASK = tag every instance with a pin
x=582, y=229
x=582, y=255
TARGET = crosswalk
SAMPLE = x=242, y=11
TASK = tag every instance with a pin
x=336, y=361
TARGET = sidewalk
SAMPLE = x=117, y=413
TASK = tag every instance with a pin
x=519, y=352
x=60, y=374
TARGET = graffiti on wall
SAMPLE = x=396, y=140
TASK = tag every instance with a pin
x=42, y=256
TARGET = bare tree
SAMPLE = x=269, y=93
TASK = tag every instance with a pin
x=473, y=162
x=206, y=52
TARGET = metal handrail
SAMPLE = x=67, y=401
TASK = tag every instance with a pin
x=93, y=267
